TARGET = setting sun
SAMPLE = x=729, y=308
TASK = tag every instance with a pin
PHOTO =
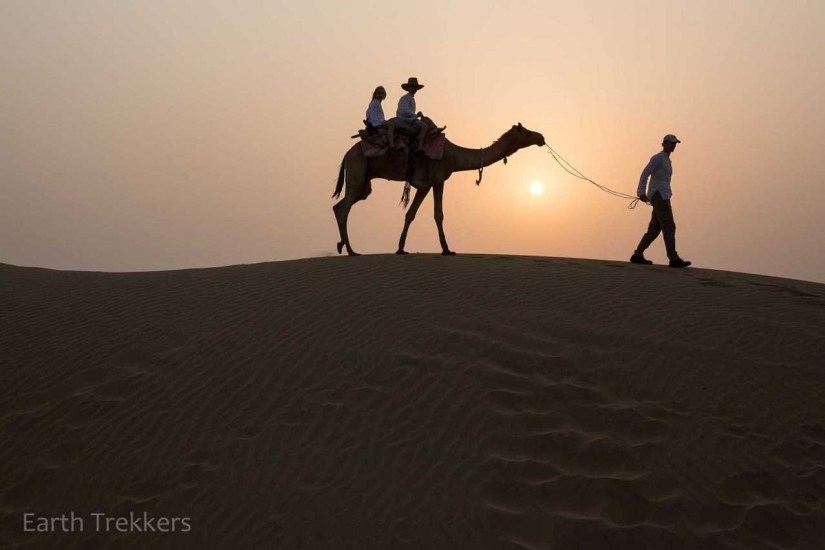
x=536, y=188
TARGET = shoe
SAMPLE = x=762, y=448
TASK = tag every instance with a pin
x=679, y=262
x=639, y=259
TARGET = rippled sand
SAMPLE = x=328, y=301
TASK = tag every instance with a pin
x=415, y=402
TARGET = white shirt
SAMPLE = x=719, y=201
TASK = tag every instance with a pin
x=659, y=170
x=406, y=107
x=375, y=113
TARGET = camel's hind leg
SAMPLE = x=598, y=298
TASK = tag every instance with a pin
x=341, y=209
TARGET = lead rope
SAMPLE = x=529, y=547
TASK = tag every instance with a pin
x=575, y=173
x=481, y=170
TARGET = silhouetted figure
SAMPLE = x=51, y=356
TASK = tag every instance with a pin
x=375, y=113
x=406, y=116
x=659, y=170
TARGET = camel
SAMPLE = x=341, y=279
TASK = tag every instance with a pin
x=429, y=174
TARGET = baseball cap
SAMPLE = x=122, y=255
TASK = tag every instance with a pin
x=671, y=138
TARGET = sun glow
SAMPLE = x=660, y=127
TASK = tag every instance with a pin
x=536, y=188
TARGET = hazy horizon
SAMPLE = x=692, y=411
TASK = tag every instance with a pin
x=156, y=136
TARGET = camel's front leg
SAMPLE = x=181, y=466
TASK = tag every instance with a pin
x=438, y=196
x=408, y=219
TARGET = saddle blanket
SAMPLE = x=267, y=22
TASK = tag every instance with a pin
x=433, y=148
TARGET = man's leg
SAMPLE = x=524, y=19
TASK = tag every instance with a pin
x=653, y=230
x=664, y=212
x=422, y=133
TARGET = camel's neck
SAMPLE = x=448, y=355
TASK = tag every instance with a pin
x=473, y=159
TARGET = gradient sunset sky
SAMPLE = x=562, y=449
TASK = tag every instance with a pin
x=172, y=134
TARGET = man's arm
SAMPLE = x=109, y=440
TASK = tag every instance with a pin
x=641, y=191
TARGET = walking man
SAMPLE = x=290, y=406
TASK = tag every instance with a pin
x=659, y=170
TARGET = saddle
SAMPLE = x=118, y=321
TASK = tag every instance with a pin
x=374, y=140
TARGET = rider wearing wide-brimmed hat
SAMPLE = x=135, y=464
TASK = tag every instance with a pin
x=406, y=116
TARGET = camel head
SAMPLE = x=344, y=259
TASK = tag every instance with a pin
x=519, y=137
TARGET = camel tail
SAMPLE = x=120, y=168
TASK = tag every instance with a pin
x=340, y=184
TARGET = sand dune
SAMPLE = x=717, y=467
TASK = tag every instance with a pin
x=414, y=402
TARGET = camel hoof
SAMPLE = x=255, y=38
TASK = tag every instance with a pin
x=352, y=253
x=448, y=253
x=399, y=251
x=340, y=246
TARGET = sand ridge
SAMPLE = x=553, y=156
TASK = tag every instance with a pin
x=476, y=401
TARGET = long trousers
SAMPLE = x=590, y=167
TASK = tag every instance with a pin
x=661, y=221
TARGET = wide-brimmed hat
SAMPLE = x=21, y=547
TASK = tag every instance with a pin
x=412, y=82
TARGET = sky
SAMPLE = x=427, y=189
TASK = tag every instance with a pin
x=142, y=136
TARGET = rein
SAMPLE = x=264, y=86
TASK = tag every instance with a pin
x=573, y=172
